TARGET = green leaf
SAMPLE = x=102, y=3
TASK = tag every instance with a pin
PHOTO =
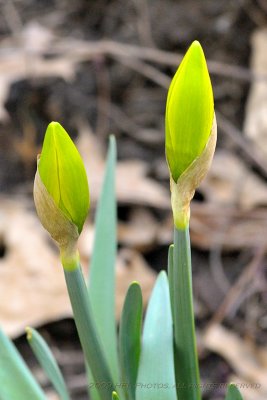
x=62, y=172
x=189, y=111
x=16, y=380
x=233, y=393
x=170, y=274
x=130, y=338
x=115, y=396
x=88, y=335
x=47, y=361
x=156, y=379
x=102, y=267
x=92, y=387
x=186, y=361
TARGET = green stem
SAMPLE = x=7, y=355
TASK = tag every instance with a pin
x=186, y=361
x=86, y=328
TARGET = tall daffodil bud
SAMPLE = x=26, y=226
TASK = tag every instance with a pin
x=61, y=192
x=191, y=131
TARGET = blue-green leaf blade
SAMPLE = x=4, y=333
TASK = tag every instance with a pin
x=47, y=361
x=170, y=274
x=87, y=331
x=233, y=393
x=130, y=338
x=16, y=380
x=102, y=267
x=156, y=378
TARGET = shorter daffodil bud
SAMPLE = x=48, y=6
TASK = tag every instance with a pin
x=61, y=192
x=191, y=131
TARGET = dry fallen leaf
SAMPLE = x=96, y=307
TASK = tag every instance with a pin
x=132, y=184
x=51, y=396
x=240, y=355
x=255, y=126
x=23, y=58
x=140, y=231
x=231, y=182
x=227, y=227
x=32, y=286
x=132, y=267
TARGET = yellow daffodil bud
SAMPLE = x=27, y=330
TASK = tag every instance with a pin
x=190, y=130
x=61, y=192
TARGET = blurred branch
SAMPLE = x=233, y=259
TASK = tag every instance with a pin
x=143, y=23
x=78, y=49
x=253, y=153
x=239, y=286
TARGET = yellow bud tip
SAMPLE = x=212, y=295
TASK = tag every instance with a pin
x=135, y=283
x=196, y=44
x=28, y=331
x=195, y=56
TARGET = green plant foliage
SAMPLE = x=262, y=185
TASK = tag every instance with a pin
x=170, y=274
x=189, y=111
x=88, y=335
x=233, y=393
x=156, y=378
x=161, y=363
x=130, y=339
x=47, y=361
x=102, y=266
x=186, y=361
x=16, y=380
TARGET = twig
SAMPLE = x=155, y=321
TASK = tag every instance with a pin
x=103, y=99
x=263, y=5
x=78, y=383
x=217, y=269
x=12, y=17
x=237, y=289
x=252, y=152
x=143, y=23
x=146, y=70
x=253, y=12
x=216, y=264
x=85, y=50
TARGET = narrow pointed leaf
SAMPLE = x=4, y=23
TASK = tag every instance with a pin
x=47, y=361
x=130, y=339
x=233, y=393
x=102, y=268
x=156, y=379
x=186, y=360
x=115, y=396
x=16, y=380
x=170, y=274
x=88, y=335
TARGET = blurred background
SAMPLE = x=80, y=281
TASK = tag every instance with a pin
x=101, y=67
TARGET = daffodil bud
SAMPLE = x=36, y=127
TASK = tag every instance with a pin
x=61, y=192
x=191, y=130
